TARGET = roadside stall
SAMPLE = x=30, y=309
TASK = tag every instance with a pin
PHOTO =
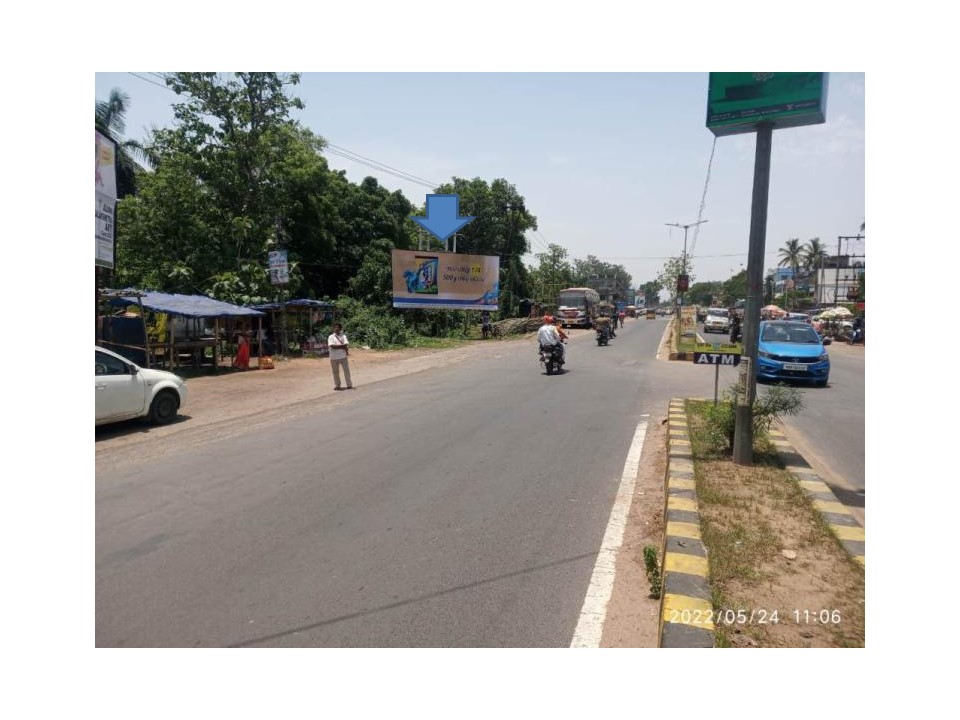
x=157, y=329
x=299, y=326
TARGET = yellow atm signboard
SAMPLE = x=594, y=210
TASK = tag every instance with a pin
x=738, y=102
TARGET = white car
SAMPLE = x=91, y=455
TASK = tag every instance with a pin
x=125, y=390
x=718, y=320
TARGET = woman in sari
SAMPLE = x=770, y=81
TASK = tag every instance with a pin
x=242, y=359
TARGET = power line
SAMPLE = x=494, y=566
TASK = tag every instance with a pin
x=703, y=198
x=148, y=80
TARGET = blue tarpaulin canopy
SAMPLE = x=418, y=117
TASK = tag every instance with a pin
x=298, y=303
x=197, y=306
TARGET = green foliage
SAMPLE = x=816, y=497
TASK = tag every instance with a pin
x=654, y=575
x=501, y=221
x=703, y=293
x=734, y=289
x=672, y=269
x=373, y=283
x=552, y=274
x=769, y=407
x=371, y=325
x=586, y=272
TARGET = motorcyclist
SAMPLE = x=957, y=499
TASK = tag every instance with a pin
x=548, y=336
x=604, y=324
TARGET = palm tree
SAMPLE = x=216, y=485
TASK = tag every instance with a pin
x=791, y=255
x=109, y=118
x=814, y=253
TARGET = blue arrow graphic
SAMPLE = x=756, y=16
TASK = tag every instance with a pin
x=443, y=216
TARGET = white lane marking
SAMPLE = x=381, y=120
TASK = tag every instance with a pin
x=593, y=613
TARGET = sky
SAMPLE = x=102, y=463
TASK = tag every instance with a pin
x=605, y=161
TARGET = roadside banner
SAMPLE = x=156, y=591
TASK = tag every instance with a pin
x=445, y=280
x=688, y=320
x=105, y=197
x=279, y=270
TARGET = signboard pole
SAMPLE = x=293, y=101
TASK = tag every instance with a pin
x=743, y=434
x=716, y=386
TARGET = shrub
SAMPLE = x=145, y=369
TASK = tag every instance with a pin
x=370, y=325
x=769, y=407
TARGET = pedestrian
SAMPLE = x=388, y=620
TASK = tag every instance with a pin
x=735, y=328
x=339, y=350
x=621, y=316
x=485, y=324
x=242, y=359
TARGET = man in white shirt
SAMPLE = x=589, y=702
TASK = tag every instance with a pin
x=548, y=336
x=339, y=349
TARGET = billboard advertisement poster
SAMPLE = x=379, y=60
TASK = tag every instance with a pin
x=737, y=102
x=279, y=270
x=105, y=198
x=445, y=280
x=688, y=320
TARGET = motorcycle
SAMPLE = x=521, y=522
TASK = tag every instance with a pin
x=551, y=356
x=603, y=335
x=857, y=336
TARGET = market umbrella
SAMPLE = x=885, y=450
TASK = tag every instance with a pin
x=841, y=311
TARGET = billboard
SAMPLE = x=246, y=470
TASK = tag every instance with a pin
x=105, y=196
x=445, y=280
x=279, y=270
x=737, y=102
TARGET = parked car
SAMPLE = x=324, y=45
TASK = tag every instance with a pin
x=125, y=390
x=792, y=351
x=798, y=317
x=718, y=320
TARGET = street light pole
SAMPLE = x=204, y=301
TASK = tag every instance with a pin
x=683, y=271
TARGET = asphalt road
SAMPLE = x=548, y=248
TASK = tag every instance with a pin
x=463, y=506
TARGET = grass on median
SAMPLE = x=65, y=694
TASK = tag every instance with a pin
x=779, y=577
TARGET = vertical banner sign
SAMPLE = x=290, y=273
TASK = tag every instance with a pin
x=688, y=320
x=105, y=195
x=445, y=280
x=279, y=270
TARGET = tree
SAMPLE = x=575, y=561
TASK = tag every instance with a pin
x=791, y=255
x=672, y=269
x=501, y=221
x=705, y=293
x=651, y=292
x=735, y=288
x=552, y=274
x=814, y=253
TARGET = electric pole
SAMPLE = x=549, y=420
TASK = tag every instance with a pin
x=683, y=271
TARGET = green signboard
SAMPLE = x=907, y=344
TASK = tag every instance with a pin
x=737, y=102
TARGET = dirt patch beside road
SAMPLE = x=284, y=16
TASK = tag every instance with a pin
x=632, y=615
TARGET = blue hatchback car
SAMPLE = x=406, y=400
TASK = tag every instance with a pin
x=792, y=351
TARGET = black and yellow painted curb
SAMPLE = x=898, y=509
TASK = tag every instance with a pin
x=686, y=610
x=841, y=521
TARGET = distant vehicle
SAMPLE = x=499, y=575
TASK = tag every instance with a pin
x=631, y=311
x=701, y=314
x=717, y=320
x=792, y=351
x=798, y=317
x=125, y=390
x=577, y=307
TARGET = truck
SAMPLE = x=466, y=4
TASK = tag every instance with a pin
x=577, y=307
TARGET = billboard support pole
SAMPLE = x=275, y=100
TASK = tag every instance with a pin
x=743, y=433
